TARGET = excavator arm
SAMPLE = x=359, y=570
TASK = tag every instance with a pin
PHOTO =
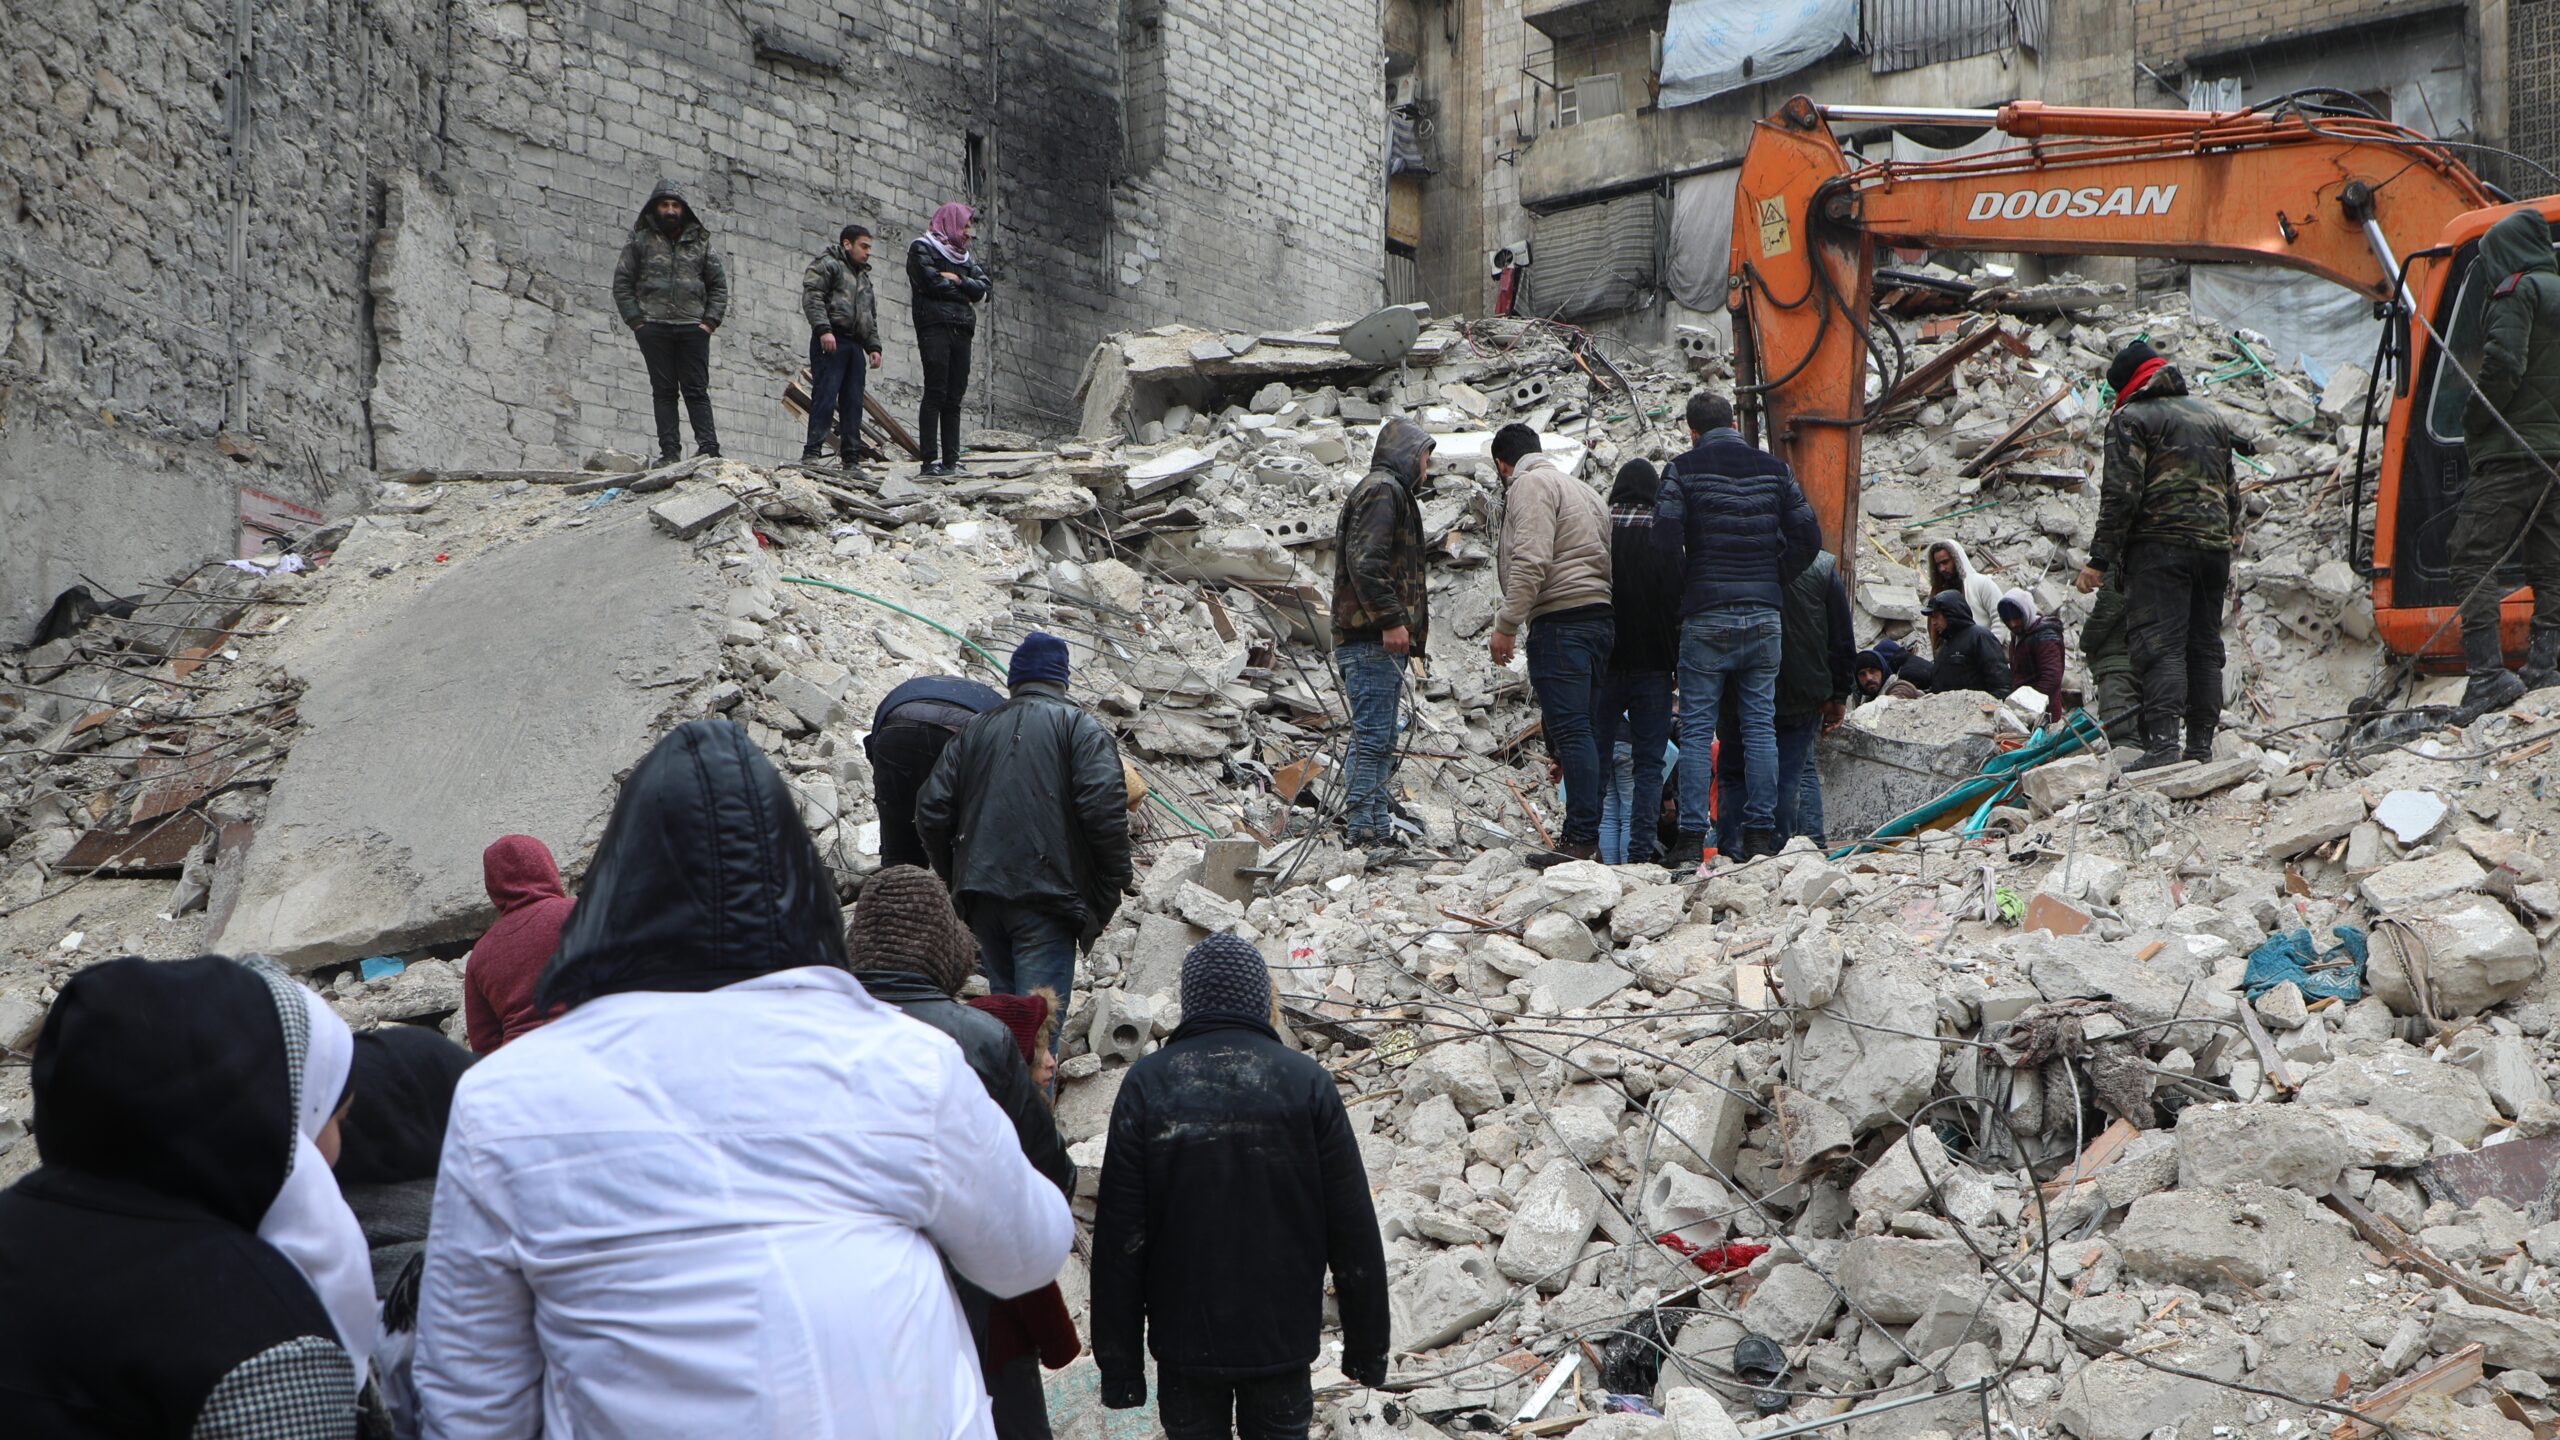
x=2341, y=198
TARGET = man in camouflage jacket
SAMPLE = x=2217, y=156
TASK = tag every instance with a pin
x=2169, y=520
x=1381, y=614
x=843, y=312
x=2511, y=433
x=673, y=290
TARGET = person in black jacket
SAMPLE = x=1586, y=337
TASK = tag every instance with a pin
x=1963, y=655
x=136, y=1296
x=1636, y=700
x=1230, y=1184
x=1732, y=516
x=945, y=287
x=1026, y=818
x=1816, y=671
x=908, y=949
x=908, y=733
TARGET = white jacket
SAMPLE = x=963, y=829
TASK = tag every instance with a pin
x=717, y=1215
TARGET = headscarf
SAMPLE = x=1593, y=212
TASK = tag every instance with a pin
x=2022, y=605
x=950, y=223
x=705, y=877
x=309, y=1223
x=904, y=921
x=404, y=1082
x=1638, y=485
x=2132, y=369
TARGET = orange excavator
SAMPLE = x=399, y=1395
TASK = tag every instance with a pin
x=2372, y=206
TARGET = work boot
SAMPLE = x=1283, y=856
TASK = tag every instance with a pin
x=1761, y=840
x=2488, y=684
x=813, y=459
x=1687, y=849
x=1565, y=853
x=2155, y=758
x=2542, y=662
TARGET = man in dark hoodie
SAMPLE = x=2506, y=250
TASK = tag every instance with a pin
x=2169, y=518
x=844, y=343
x=1381, y=616
x=673, y=291
x=2511, y=428
x=1230, y=1184
x=1963, y=655
x=505, y=968
x=908, y=733
x=1636, y=698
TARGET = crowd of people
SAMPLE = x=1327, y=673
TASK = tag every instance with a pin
x=671, y=288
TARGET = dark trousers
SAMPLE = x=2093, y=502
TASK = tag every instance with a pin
x=1796, y=734
x=1267, y=1407
x=1568, y=666
x=1637, y=703
x=835, y=394
x=902, y=755
x=1021, y=1407
x=2173, y=621
x=944, y=351
x=1022, y=950
x=2497, y=502
x=679, y=361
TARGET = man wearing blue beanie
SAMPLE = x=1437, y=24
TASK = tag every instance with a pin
x=1026, y=818
x=1231, y=1183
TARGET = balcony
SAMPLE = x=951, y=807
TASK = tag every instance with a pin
x=1566, y=21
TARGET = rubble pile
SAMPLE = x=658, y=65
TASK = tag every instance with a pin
x=2216, y=1098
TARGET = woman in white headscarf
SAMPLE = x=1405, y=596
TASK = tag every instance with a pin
x=309, y=1223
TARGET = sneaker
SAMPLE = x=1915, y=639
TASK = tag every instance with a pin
x=813, y=459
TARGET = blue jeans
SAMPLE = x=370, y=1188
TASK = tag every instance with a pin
x=1022, y=950
x=1734, y=645
x=1808, y=793
x=1636, y=707
x=1372, y=683
x=1568, y=666
x=1795, y=780
x=835, y=394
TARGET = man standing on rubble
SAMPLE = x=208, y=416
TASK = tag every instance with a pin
x=1553, y=559
x=2169, y=518
x=1734, y=515
x=2511, y=428
x=673, y=290
x=908, y=733
x=1026, y=818
x=844, y=344
x=2110, y=660
x=1381, y=617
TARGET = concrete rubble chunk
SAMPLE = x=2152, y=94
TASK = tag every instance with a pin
x=1461, y=1070
x=1793, y=1303
x=1577, y=984
x=2394, y=888
x=2220, y=1146
x=1893, y=1279
x=1897, y=1181
x=1583, y=889
x=2471, y=956
x=1556, y=1213
x=688, y=513
x=2410, y=815
x=2196, y=1237
x=1445, y=1296
x=2402, y=1084
x=2514, y=1342
x=1695, y=1415
x=2312, y=821
x=1872, y=1076
x=1560, y=937
x=2122, y=1399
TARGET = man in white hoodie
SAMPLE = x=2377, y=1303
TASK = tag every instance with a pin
x=1554, y=561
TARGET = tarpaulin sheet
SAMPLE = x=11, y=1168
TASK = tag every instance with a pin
x=1597, y=259
x=1700, y=248
x=1713, y=47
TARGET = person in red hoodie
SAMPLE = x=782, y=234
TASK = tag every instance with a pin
x=1037, y=1325
x=505, y=968
x=2035, y=649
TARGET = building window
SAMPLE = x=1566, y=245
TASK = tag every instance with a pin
x=973, y=169
x=1142, y=84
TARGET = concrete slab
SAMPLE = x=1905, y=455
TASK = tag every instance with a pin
x=1895, y=755
x=504, y=696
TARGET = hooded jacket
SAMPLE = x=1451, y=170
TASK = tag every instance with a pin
x=2104, y=644
x=1903, y=663
x=836, y=296
x=393, y=1138
x=2519, y=368
x=1968, y=656
x=2168, y=474
x=1380, y=579
x=1554, y=553
x=670, y=279
x=933, y=300
x=671, y=1213
x=505, y=968
x=2036, y=651
x=1981, y=592
x=1028, y=807
x=1644, y=584
x=1731, y=515
x=1230, y=1184
x=1817, y=650
x=136, y=1297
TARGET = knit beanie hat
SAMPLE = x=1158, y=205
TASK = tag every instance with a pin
x=1040, y=656
x=1027, y=1016
x=1225, y=975
x=2128, y=360
x=904, y=921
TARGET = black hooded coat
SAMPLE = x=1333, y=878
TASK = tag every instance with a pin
x=1967, y=656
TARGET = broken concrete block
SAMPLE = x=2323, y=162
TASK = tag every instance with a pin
x=1578, y=984
x=1269, y=399
x=2404, y=1085
x=1583, y=889
x=688, y=513
x=2053, y=785
x=2196, y=1237
x=1872, y=1076
x=1461, y=1070
x=1702, y=1128
x=2220, y=1146
x=1648, y=912
x=1560, y=937
x=2512, y=1341
x=1442, y=1298
x=2506, y=1067
x=1793, y=1303
x=2194, y=782
x=1893, y=1279
x=1809, y=969
x=2119, y=1399
x=1123, y=1024
x=2410, y=815
x=2085, y=877
x=1556, y=1214
x=1695, y=1415
x=1697, y=1208
x=2394, y=888
x=807, y=700
x=2283, y=1008
x=1889, y=602
x=2476, y=956
x=1897, y=1181
x=2313, y=821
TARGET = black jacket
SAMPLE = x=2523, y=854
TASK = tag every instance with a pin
x=1644, y=585
x=933, y=300
x=990, y=1051
x=1027, y=807
x=1969, y=657
x=1732, y=517
x=1230, y=1184
x=1818, y=657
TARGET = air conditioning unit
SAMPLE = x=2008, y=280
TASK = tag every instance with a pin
x=1515, y=253
x=1403, y=91
x=1593, y=97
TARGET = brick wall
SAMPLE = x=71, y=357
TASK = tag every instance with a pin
x=2176, y=30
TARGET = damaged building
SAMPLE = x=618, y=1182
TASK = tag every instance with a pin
x=253, y=249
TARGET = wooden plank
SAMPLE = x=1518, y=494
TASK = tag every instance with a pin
x=2407, y=1253
x=2101, y=1153
x=2452, y=1375
x=2277, y=1073
x=1932, y=376
x=2026, y=422
x=872, y=407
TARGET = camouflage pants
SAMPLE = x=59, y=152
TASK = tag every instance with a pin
x=2497, y=503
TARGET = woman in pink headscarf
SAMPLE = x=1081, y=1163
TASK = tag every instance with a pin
x=947, y=287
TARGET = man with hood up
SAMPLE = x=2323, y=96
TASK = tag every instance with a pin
x=673, y=291
x=2511, y=428
x=2035, y=649
x=717, y=1196
x=2169, y=519
x=1952, y=569
x=505, y=968
x=1381, y=616
x=1963, y=655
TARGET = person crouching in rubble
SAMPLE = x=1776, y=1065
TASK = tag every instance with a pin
x=1963, y=655
x=1886, y=668
x=673, y=289
x=2169, y=518
x=1381, y=618
x=2035, y=649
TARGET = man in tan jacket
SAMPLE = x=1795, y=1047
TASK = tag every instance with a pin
x=1554, y=564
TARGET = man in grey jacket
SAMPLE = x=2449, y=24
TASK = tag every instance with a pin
x=1554, y=561
x=672, y=290
x=844, y=344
